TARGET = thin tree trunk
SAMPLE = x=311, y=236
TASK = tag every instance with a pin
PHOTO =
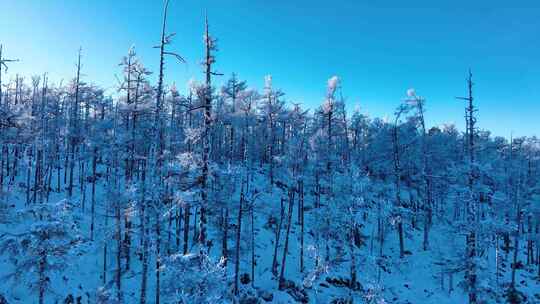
x=353, y=257
x=158, y=258
x=238, y=234
x=178, y=223
x=286, y=246
x=516, y=249
x=225, y=227
x=119, y=247
x=186, y=228
x=42, y=277
x=301, y=212
x=93, y=206
x=144, y=236
x=278, y=234
x=253, y=261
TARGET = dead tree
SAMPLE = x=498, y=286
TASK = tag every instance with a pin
x=210, y=46
x=74, y=124
x=472, y=202
x=397, y=177
x=165, y=40
x=426, y=167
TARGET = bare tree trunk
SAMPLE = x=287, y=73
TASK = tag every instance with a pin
x=301, y=212
x=49, y=180
x=74, y=126
x=118, y=236
x=161, y=142
x=105, y=250
x=195, y=230
x=253, y=261
x=471, y=212
x=82, y=178
x=317, y=190
x=158, y=258
x=397, y=173
x=209, y=60
x=144, y=236
x=225, y=227
x=15, y=169
x=37, y=175
x=401, y=241
x=127, y=240
x=169, y=232
x=538, y=259
x=178, y=223
x=353, y=257
x=58, y=169
x=28, y=172
x=497, y=261
x=186, y=227
x=286, y=246
x=278, y=234
x=93, y=206
x=41, y=276
x=516, y=248
x=2, y=167
x=238, y=240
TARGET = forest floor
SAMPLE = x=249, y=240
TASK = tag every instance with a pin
x=419, y=277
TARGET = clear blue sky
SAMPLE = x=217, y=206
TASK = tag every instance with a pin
x=378, y=48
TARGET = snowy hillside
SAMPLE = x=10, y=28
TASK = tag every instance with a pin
x=226, y=194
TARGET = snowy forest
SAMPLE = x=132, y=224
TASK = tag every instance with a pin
x=228, y=194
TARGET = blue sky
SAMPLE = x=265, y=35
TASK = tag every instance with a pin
x=378, y=48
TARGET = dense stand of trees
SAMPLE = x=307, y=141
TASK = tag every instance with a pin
x=176, y=179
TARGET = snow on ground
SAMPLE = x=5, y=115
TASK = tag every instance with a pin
x=416, y=278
